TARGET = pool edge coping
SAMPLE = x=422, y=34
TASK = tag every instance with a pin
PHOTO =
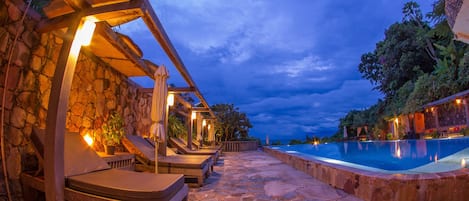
x=368, y=184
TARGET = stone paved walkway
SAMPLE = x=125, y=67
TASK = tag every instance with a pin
x=256, y=175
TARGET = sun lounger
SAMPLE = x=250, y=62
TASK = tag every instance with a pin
x=197, y=145
x=192, y=167
x=181, y=147
x=88, y=177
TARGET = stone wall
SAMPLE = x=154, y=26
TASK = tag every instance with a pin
x=97, y=91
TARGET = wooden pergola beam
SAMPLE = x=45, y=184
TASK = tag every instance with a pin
x=103, y=13
x=104, y=30
x=154, y=24
x=181, y=89
x=200, y=109
x=56, y=115
x=181, y=100
x=137, y=8
x=175, y=90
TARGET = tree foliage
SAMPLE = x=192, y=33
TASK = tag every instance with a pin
x=231, y=123
x=404, y=54
x=416, y=63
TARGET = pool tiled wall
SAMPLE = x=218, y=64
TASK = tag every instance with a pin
x=370, y=185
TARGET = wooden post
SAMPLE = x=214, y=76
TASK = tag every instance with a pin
x=56, y=114
x=189, y=131
x=466, y=112
x=437, y=122
x=164, y=144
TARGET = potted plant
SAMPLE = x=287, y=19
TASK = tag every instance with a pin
x=113, y=131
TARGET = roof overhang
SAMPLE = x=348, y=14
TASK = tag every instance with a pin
x=116, y=49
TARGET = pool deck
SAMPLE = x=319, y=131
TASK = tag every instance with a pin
x=256, y=175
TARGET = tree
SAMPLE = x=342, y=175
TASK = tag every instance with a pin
x=404, y=54
x=231, y=124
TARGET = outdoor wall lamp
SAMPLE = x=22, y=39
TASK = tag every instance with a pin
x=170, y=99
x=88, y=139
x=193, y=116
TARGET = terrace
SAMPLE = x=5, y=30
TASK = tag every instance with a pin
x=52, y=83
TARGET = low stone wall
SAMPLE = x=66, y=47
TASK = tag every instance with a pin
x=238, y=146
x=383, y=187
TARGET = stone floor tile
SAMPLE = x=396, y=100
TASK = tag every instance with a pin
x=256, y=176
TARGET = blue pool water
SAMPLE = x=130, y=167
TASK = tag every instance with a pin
x=385, y=155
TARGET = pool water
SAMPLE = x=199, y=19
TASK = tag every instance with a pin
x=385, y=155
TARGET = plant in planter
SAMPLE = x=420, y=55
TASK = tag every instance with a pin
x=113, y=131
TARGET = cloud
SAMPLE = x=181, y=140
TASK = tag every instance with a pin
x=232, y=31
x=313, y=113
x=307, y=64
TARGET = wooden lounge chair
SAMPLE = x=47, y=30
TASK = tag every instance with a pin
x=192, y=167
x=181, y=147
x=88, y=177
x=197, y=145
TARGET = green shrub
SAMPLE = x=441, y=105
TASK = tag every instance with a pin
x=435, y=134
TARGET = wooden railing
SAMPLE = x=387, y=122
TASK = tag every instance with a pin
x=238, y=146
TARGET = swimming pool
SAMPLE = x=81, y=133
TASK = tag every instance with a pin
x=409, y=156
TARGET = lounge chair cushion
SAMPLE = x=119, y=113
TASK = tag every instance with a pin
x=79, y=157
x=75, y=150
x=180, y=145
x=194, y=162
x=140, y=146
x=128, y=185
x=143, y=149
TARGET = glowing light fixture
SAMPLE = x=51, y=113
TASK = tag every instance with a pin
x=458, y=101
x=208, y=127
x=88, y=139
x=170, y=99
x=463, y=163
x=193, y=116
x=204, y=123
x=396, y=120
x=398, y=152
x=85, y=33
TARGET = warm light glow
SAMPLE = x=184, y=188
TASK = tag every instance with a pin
x=432, y=108
x=208, y=127
x=88, y=139
x=458, y=101
x=193, y=116
x=398, y=152
x=85, y=32
x=204, y=123
x=396, y=120
x=463, y=163
x=170, y=99
x=315, y=142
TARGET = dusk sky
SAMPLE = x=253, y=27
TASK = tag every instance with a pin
x=292, y=66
